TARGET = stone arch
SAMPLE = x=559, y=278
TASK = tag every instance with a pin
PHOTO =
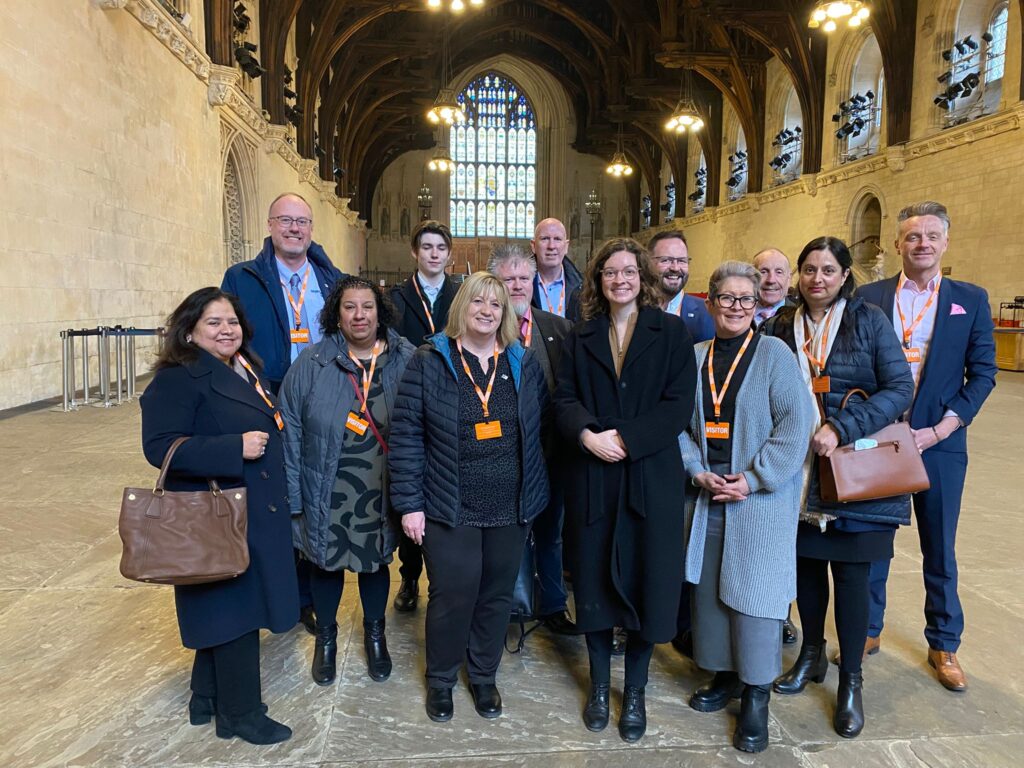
x=866, y=219
x=241, y=219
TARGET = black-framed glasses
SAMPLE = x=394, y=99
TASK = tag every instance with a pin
x=728, y=301
x=287, y=221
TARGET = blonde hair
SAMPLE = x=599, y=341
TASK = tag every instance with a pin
x=483, y=284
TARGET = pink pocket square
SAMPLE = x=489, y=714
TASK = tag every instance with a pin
x=956, y=309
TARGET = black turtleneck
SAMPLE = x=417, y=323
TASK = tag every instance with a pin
x=720, y=451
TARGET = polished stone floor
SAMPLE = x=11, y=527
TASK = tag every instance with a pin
x=92, y=674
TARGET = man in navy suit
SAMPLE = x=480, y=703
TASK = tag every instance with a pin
x=671, y=261
x=946, y=329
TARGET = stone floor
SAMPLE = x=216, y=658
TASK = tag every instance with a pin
x=92, y=674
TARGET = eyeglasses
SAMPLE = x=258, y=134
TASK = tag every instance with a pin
x=728, y=301
x=676, y=260
x=286, y=221
x=629, y=273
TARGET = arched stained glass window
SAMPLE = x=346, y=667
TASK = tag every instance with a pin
x=496, y=156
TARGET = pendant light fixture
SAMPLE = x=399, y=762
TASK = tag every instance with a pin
x=446, y=109
x=827, y=15
x=685, y=116
x=619, y=166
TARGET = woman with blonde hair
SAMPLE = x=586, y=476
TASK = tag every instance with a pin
x=468, y=477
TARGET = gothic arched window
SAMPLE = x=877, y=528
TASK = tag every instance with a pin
x=495, y=188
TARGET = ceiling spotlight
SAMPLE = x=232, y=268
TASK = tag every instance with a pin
x=290, y=94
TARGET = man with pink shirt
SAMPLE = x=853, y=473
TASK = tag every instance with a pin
x=932, y=313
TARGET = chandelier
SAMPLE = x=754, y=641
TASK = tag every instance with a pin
x=441, y=161
x=456, y=6
x=685, y=116
x=827, y=14
x=619, y=166
x=446, y=109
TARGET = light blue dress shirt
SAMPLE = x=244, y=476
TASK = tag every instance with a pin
x=311, y=307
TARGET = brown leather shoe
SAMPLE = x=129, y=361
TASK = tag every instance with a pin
x=872, y=645
x=948, y=670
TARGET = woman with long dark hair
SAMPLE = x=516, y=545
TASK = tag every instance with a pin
x=208, y=388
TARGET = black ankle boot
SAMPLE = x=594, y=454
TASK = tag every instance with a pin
x=789, y=633
x=716, y=694
x=752, y=727
x=633, y=719
x=595, y=714
x=811, y=664
x=849, y=717
x=378, y=660
x=325, y=655
x=201, y=709
x=439, y=704
x=408, y=596
x=254, y=727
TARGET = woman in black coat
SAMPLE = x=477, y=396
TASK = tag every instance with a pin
x=625, y=390
x=207, y=388
x=842, y=343
x=468, y=477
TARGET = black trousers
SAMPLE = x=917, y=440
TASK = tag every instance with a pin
x=411, y=555
x=638, y=657
x=472, y=572
x=328, y=587
x=852, y=588
x=230, y=672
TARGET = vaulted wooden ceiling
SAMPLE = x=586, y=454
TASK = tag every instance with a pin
x=376, y=68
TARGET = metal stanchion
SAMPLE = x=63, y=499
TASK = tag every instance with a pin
x=124, y=380
x=85, y=366
x=131, y=365
x=67, y=399
x=119, y=359
x=104, y=367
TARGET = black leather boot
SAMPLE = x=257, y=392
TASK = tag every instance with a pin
x=408, y=596
x=789, y=633
x=378, y=660
x=254, y=727
x=325, y=655
x=752, y=727
x=716, y=694
x=595, y=714
x=486, y=699
x=633, y=718
x=201, y=709
x=811, y=664
x=849, y=717
x=439, y=704
x=307, y=618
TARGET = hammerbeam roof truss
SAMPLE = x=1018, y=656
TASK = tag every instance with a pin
x=367, y=72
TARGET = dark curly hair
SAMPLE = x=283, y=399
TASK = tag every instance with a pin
x=330, y=315
x=840, y=252
x=593, y=299
x=177, y=350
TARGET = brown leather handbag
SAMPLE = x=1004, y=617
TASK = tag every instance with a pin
x=890, y=467
x=183, y=537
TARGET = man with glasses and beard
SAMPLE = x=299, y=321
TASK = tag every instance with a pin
x=671, y=261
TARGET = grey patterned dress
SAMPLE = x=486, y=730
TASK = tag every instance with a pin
x=356, y=535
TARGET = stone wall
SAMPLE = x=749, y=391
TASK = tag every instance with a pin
x=111, y=176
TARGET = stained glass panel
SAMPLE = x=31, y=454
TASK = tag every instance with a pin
x=460, y=144
x=460, y=219
x=470, y=191
x=460, y=181
x=481, y=218
x=531, y=214
x=470, y=145
x=531, y=183
x=501, y=182
x=470, y=230
x=500, y=220
x=521, y=182
x=492, y=183
x=491, y=224
x=500, y=146
x=481, y=181
x=531, y=146
x=520, y=220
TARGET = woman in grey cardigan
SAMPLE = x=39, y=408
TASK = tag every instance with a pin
x=336, y=401
x=743, y=450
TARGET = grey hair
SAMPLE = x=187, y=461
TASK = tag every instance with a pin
x=924, y=208
x=510, y=253
x=729, y=269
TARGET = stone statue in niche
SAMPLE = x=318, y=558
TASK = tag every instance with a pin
x=574, y=226
x=403, y=224
x=385, y=223
x=645, y=212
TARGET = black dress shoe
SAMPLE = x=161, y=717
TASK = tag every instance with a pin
x=254, y=727
x=559, y=623
x=439, y=704
x=595, y=714
x=325, y=655
x=751, y=733
x=633, y=718
x=201, y=709
x=378, y=660
x=308, y=619
x=849, y=717
x=716, y=694
x=789, y=633
x=683, y=642
x=811, y=664
x=619, y=639
x=407, y=597
x=486, y=699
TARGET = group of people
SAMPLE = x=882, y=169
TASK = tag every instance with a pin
x=661, y=448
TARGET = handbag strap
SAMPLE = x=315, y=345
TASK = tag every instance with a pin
x=369, y=416
x=851, y=393
x=158, y=490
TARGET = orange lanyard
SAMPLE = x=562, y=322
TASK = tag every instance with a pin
x=297, y=307
x=907, y=332
x=484, y=396
x=261, y=392
x=561, y=295
x=717, y=398
x=426, y=307
x=818, y=363
x=367, y=375
x=528, y=336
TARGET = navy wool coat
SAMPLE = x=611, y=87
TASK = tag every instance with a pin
x=624, y=536
x=210, y=403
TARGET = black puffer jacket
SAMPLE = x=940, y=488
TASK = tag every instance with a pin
x=424, y=457
x=866, y=355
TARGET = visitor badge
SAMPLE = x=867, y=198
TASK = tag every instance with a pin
x=356, y=424
x=300, y=335
x=487, y=430
x=913, y=354
x=821, y=385
x=716, y=430
x=279, y=420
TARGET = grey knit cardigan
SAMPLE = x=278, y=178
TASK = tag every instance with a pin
x=770, y=438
